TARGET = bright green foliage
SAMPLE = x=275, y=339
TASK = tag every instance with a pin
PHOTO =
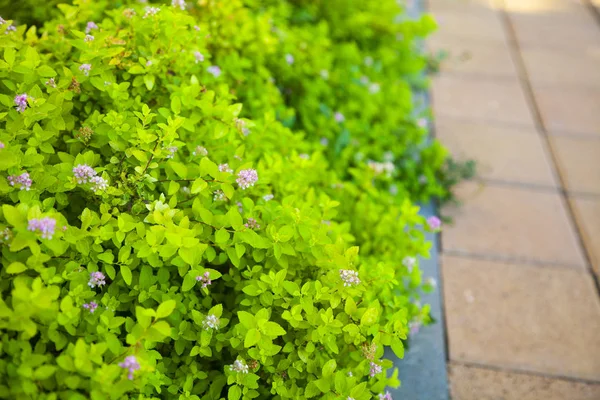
x=153, y=122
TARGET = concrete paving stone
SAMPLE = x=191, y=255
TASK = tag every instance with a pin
x=471, y=383
x=587, y=214
x=543, y=6
x=566, y=109
x=481, y=99
x=578, y=160
x=566, y=28
x=513, y=223
x=518, y=316
x=473, y=6
x=473, y=56
x=563, y=67
x=501, y=153
x=485, y=26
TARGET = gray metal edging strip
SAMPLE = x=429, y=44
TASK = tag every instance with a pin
x=423, y=370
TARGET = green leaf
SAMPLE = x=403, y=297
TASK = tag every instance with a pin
x=207, y=167
x=149, y=81
x=162, y=327
x=246, y=319
x=227, y=189
x=188, y=282
x=328, y=368
x=8, y=160
x=16, y=268
x=252, y=337
x=369, y=317
x=13, y=216
x=235, y=219
x=222, y=236
x=198, y=185
x=398, y=347
x=44, y=372
x=234, y=393
x=273, y=329
x=176, y=105
x=45, y=71
x=165, y=309
x=126, y=273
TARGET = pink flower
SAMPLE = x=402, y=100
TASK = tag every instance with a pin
x=214, y=71
x=198, y=56
x=131, y=365
x=339, y=117
x=85, y=68
x=24, y=180
x=247, y=178
x=178, y=3
x=205, y=279
x=375, y=369
x=225, y=168
x=1, y=145
x=83, y=173
x=44, y=225
x=252, y=224
x=90, y=27
x=88, y=38
x=21, y=102
x=434, y=223
x=97, y=279
x=349, y=277
x=91, y=306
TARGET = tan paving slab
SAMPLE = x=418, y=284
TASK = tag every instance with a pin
x=587, y=214
x=563, y=67
x=514, y=223
x=473, y=56
x=567, y=28
x=470, y=383
x=510, y=154
x=472, y=6
x=543, y=6
x=481, y=99
x=578, y=159
x=485, y=26
x=531, y=318
x=567, y=109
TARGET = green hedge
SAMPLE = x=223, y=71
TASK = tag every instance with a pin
x=211, y=202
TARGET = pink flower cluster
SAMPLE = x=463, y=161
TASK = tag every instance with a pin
x=91, y=25
x=45, y=225
x=131, y=365
x=252, y=224
x=97, y=279
x=349, y=277
x=434, y=223
x=247, y=178
x=83, y=173
x=225, y=168
x=374, y=369
x=21, y=102
x=386, y=396
x=211, y=322
x=24, y=180
x=85, y=68
x=205, y=279
x=91, y=306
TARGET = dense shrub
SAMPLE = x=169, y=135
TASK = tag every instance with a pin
x=160, y=240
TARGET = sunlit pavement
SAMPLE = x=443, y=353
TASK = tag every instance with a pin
x=520, y=93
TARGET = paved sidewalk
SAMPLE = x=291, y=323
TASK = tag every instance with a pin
x=520, y=94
